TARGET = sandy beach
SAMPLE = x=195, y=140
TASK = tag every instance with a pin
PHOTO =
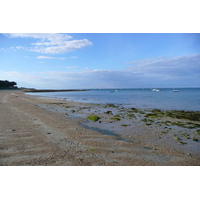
x=49, y=132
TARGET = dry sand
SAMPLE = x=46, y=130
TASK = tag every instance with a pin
x=44, y=132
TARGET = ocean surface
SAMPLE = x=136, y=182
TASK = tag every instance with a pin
x=185, y=99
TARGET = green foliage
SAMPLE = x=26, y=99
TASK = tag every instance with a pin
x=7, y=84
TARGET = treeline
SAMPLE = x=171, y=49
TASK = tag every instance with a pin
x=7, y=84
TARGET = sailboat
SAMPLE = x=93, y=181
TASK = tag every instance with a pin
x=155, y=90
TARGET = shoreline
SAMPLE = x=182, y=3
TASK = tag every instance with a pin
x=61, y=140
x=44, y=90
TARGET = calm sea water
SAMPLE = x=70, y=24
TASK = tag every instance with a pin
x=185, y=99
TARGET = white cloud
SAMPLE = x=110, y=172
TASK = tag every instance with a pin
x=19, y=47
x=47, y=57
x=72, y=67
x=52, y=43
x=51, y=37
x=175, y=66
x=183, y=71
x=62, y=47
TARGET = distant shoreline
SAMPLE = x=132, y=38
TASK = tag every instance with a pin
x=35, y=90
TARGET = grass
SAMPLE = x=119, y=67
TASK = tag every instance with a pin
x=93, y=118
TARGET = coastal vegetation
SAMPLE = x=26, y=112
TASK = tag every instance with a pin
x=7, y=84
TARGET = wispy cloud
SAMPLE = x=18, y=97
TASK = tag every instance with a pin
x=51, y=43
x=181, y=71
x=47, y=57
x=72, y=67
x=175, y=66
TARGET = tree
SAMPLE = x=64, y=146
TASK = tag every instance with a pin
x=7, y=84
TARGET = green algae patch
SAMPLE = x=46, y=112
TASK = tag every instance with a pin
x=144, y=120
x=108, y=112
x=110, y=105
x=154, y=115
x=124, y=125
x=115, y=118
x=181, y=142
x=181, y=114
x=176, y=138
x=93, y=118
x=91, y=149
x=131, y=116
x=157, y=111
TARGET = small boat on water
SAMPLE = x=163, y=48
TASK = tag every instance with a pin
x=155, y=90
x=175, y=91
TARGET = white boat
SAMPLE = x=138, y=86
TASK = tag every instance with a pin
x=155, y=90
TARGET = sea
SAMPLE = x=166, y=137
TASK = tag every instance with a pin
x=187, y=99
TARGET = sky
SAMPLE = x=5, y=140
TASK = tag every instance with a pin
x=100, y=60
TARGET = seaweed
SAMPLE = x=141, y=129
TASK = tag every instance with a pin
x=182, y=142
x=148, y=124
x=110, y=105
x=144, y=120
x=177, y=138
x=115, y=118
x=181, y=114
x=93, y=118
x=108, y=112
x=131, y=116
x=195, y=139
x=153, y=115
x=124, y=125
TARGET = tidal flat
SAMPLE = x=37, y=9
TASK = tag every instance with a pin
x=46, y=132
x=178, y=130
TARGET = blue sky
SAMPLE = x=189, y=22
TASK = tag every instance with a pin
x=100, y=60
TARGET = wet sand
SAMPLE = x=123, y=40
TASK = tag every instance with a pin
x=35, y=131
